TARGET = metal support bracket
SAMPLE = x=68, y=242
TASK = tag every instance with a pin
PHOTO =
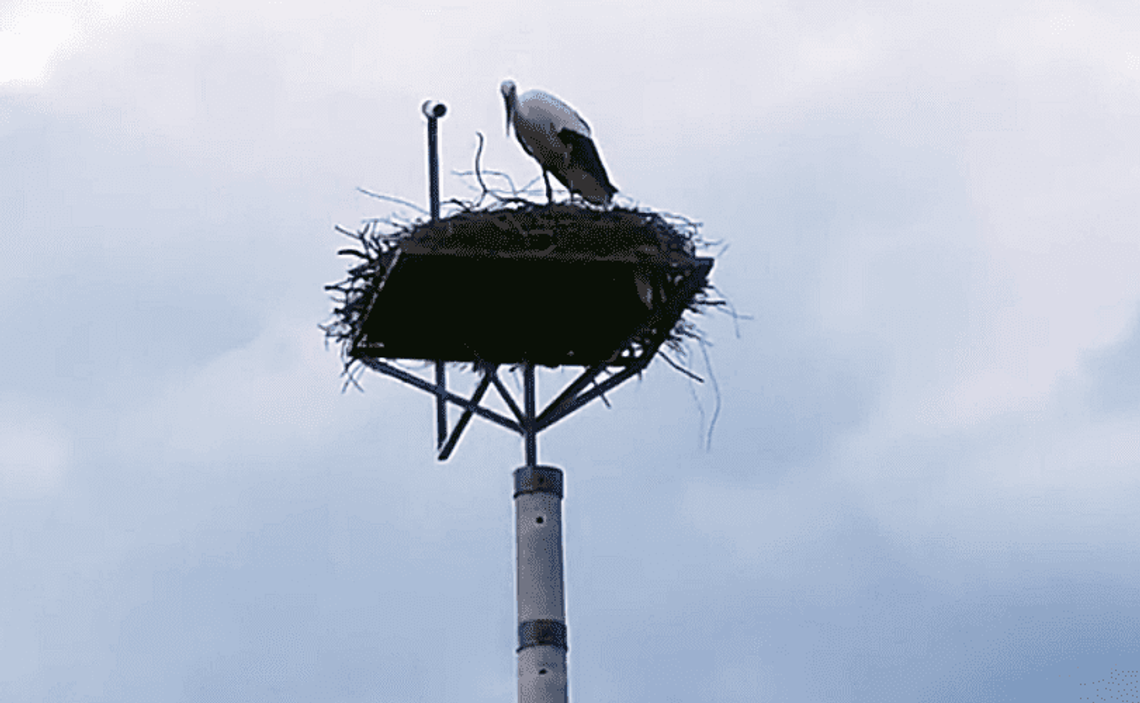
x=526, y=421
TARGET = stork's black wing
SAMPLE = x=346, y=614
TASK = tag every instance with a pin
x=584, y=155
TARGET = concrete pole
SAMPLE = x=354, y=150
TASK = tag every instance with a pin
x=542, y=616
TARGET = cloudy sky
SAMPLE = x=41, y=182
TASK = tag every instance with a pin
x=924, y=479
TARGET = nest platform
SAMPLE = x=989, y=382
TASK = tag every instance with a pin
x=555, y=285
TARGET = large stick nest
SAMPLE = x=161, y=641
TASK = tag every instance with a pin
x=657, y=252
x=660, y=249
x=561, y=228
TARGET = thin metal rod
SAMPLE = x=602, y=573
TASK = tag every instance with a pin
x=389, y=370
x=570, y=392
x=601, y=388
x=440, y=404
x=465, y=418
x=433, y=167
x=530, y=429
x=506, y=396
x=433, y=111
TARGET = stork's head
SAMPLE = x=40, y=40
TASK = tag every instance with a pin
x=509, y=90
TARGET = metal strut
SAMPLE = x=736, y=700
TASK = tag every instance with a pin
x=530, y=424
x=449, y=446
x=526, y=421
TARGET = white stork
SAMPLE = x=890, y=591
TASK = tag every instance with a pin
x=559, y=140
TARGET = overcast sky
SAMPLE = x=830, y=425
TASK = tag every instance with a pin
x=924, y=479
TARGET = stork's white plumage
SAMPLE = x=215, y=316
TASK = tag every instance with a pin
x=559, y=140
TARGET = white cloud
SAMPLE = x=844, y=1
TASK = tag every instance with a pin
x=266, y=399
x=34, y=453
x=761, y=523
x=28, y=43
x=1037, y=478
x=113, y=7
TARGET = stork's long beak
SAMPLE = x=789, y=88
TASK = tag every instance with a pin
x=510, y=113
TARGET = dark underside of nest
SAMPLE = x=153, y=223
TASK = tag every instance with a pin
x=551, y=284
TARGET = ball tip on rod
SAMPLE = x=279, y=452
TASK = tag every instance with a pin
x=433, y=110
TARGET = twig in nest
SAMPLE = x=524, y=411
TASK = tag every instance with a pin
x=680, y=368
x=514, y=197
x=490, y=172
x=401, y=201
x=350, y=373
x=478, y=175
x=716, y=389
x=729, y=309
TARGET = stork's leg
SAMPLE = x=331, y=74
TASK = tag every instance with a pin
x=549, y=191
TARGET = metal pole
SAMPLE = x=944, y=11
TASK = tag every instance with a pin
x=541, y=606
x=440, y=404
x=530, y=425
x=433, y=111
